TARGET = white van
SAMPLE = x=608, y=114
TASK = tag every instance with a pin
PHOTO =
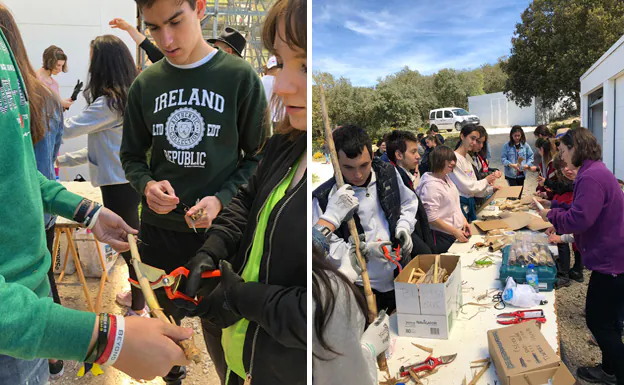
x=450, y=118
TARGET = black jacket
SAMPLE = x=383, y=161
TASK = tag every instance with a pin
x=422, y=228
x=276, y=305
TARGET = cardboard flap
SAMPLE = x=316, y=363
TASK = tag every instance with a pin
x=538, y=224
x=510, y=221
x=504, y=192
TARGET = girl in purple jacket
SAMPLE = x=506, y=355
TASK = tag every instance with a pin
x=596, y=218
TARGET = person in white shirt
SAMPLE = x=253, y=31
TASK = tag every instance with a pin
x=441, y=200
x=344, y=345
x=464, y=175
x=386, y=216
x=268, y=80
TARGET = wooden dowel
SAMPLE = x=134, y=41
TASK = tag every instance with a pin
x=190, y=350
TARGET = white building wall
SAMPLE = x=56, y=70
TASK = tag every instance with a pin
x=70, y=25
x=495, y=110
x=608, y=73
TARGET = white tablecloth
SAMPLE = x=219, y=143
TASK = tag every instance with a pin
x=468, y=337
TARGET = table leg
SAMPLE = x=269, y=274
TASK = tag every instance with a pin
x=85, y=288
x=55, y=246
x=65, y=259
x=103, y=279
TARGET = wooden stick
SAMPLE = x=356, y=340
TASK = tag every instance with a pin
x=368, y=291
x=190, y=350
x=409, y=280
x=414, y=376
x=435, y=271
x=428, y=350
x=481, y=372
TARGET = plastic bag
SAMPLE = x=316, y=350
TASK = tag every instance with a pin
x=521, y=295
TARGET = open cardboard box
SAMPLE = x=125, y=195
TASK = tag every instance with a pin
x=428, y=310
x=504, y=193
x=522, y=356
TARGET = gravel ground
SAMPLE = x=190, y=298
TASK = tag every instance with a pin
x=72, y=296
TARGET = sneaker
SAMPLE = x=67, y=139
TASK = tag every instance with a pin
x=124, y=298
x=145, y=313
x=577, y=276
x=56, y=369
x=596, y=375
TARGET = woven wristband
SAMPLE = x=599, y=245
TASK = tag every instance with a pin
x=92, y=216
x=111, y=341
x=103, y=334
x=83, y=207
x=118, y=342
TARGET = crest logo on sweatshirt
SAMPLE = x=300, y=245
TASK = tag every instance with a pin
x=185, y=128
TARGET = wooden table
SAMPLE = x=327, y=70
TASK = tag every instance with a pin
x=67, y=227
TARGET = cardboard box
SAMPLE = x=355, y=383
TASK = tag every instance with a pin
x=428, y=310
x=504, y=192
x=522, y=356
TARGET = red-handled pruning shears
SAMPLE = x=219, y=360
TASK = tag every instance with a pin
x=521, y=316
x=427, y=365
x=397, y=256
x=159, y=278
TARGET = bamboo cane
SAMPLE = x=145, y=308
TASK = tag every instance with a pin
x=368, y=292
x=190, y=350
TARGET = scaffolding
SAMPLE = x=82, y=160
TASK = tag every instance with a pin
x=246, y=16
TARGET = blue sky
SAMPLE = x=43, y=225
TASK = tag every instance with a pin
x=364, y=40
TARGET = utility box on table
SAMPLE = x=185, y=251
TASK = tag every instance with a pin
x=428, y=310
x=522, y=356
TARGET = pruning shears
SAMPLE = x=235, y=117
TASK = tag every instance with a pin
x=427, y=365
x=521, y=316
x=394, y=259
x=170, y=282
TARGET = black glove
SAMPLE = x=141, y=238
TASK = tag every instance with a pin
x=219, y=306
x=200, y=263
x=77, y=89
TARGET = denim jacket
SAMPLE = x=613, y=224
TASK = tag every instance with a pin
x=510, y=156
x=47, y=149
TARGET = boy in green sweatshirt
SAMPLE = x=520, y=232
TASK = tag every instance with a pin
x=32, y=326
x=202, y=113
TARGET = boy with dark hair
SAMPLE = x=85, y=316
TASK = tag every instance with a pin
x=201, y=113
x=402, y=150
x=386, y=214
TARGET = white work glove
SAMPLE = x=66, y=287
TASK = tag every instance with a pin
x=375, y=249
x=341, y=206
x=355, y=263
x=405, y=239
x=376, y=338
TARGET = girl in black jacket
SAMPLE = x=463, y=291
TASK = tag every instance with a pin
x=259, y=240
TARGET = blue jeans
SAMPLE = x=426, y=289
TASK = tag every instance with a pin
x=14, y=371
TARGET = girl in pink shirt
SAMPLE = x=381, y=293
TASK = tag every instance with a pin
x=440, y=198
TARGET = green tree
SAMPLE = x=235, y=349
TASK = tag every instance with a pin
x=556, y=42
x=493, y=77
